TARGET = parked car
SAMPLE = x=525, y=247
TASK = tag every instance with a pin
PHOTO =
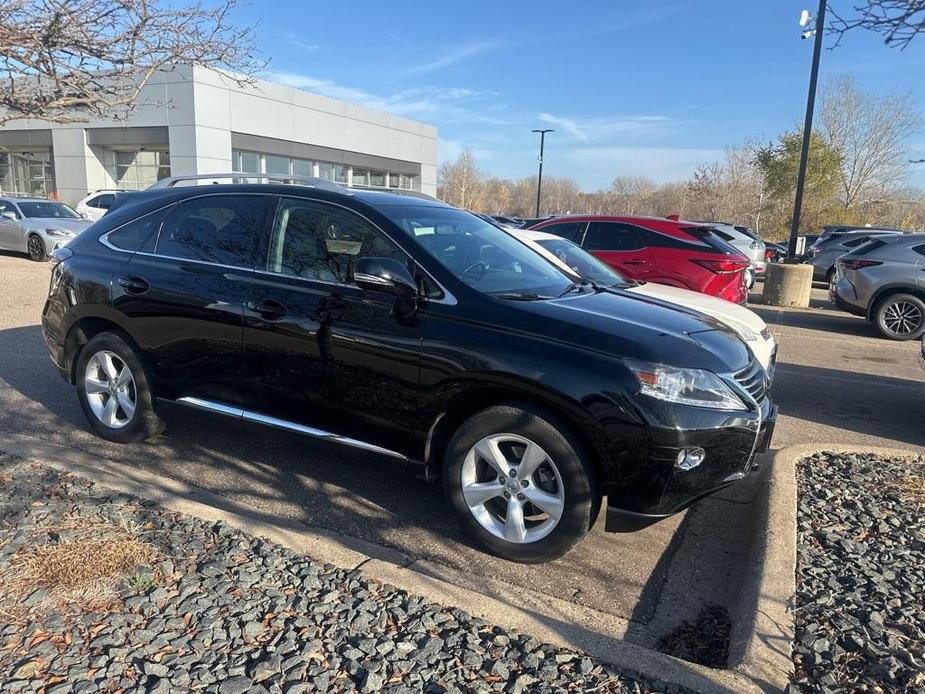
x=774, y=252
x=414, y=330
x=37, y=226
x=665, y=251
x=96, y=204
x=585, y=266
x=743, y=240
x=826, y=251
x=834, y=230
x=515, y=222
x=884, y=281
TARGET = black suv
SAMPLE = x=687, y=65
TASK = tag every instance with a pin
x=405, y=327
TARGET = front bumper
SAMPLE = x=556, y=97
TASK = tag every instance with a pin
x=656, y=488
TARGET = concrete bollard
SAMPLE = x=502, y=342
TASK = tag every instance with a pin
x=787, y=284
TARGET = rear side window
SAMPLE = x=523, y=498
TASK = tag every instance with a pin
x=854, y=243
x=567, y=230
x=221, y=229
x=613, y=236
x=871, y=245
x=134, y=235
x=103, y=202
x=919, y=249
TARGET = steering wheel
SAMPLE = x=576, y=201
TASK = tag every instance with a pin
x=475, y=266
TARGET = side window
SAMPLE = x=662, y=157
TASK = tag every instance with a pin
x=104, y=202
x=919, y=249
x=92, y=201
x=611, y=236
x=134, y=235
x=567, y=230
x=6, y=206
x=317, y=241
x=219, y=229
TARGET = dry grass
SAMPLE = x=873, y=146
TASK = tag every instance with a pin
x=71, y=564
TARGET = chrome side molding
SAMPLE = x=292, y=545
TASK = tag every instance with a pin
x=266, y=420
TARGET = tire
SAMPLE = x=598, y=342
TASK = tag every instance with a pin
x=35, y=247
x=830, y=276
x=101, y=380
x=900, y=317
x=562, y=478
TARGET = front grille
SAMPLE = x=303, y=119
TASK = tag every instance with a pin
x=753, y=380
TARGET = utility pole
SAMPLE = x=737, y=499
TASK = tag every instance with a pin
x=807, y=128
x=539, y=180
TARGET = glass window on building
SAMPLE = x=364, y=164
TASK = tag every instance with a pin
x=360, y=177
x=27, y=173
x=406, y=181
x=326, y=171
x=377, y=179
x=276, y=164
x=340, y=174
x=303, y=167
x=246, y=161
x=136, y=170
x=393, y=180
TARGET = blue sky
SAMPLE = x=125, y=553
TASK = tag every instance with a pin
x=646, y=88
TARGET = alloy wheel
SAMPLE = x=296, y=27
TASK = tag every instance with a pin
x=36, y=248
x=902, y=318
x=110, y=389
x=512, y=488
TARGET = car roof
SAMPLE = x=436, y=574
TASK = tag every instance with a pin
x=18, y=199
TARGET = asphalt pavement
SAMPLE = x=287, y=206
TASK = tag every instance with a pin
x=836, y=383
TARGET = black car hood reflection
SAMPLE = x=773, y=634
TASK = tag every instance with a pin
x=670, y=334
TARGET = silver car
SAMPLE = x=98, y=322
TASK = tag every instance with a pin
x=823, y=254
x=884, y=281
x=37, y=226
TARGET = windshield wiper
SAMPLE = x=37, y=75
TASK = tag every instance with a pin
x=568, y=290
x=521, y=296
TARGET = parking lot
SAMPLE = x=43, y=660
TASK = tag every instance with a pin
x=836, y=383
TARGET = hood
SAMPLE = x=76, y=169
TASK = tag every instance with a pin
x=74, y=225
x=622, y=323
x=730, y=314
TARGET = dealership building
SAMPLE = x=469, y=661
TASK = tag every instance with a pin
x=193, y=121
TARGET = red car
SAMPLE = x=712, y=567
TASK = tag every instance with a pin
x=665, y=251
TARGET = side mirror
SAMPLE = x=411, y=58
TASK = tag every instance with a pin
x=384, y=275
x=8, y=214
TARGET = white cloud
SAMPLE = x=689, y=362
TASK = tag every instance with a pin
x=598, y=129
x=456, y=55
x=597, y=166
x=298, y=42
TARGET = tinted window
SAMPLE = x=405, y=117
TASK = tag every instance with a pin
x=567, y=230
x=612, y=236
x=8, y=207
x=871, y=245
x=854, y=243
x=47, y=210
x=132, y=236
x=104, y=202
x=318, y=241
x=920, y=250
x=586, y=265
x=218, y=229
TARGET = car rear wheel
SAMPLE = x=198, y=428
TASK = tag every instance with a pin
x=114, y=391
x=36, y=248
x=900, y=317
x=521, y=489
x=830, y=277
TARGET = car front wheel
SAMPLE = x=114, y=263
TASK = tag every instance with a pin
x=522, y=489
x=900, y=317
x=36, y=248
x=114, y=392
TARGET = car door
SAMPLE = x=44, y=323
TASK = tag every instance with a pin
x=321, y=352
x=11, y=236
x=183, y=294
x=622, y=246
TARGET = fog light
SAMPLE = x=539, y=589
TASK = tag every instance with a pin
x=689, y=458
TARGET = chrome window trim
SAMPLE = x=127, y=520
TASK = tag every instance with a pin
x=448, y=298
x=694, y=242
x=266, y=420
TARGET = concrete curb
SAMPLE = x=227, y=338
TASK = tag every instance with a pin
x=762, y=622
x=548, y=619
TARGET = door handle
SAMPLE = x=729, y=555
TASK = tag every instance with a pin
x=134, y=285
x=635, y=261
x=268, y=309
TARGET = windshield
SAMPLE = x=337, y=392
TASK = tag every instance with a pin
x=47, y=210
x=480, y=254
x=584, y=264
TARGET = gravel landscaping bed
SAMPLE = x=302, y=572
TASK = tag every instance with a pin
x=860, y=612
x=105, y=592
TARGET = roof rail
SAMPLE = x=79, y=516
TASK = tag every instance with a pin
x=310, y=181
x=398, y=191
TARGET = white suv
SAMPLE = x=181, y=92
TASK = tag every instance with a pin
x=96, y=204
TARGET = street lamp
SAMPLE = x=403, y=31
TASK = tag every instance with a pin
x=805, y=19
x=539, y=180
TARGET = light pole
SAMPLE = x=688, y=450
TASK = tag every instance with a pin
x=539, y=180
x=805, y=19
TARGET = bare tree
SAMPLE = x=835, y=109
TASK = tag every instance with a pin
x=898, y=21
x=633, y=194
x=461, y=183
x=871, y=134
x=68, y=60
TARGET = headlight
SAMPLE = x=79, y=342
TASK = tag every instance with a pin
x=696, y=387
x=57, y=232
x=743, y=330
